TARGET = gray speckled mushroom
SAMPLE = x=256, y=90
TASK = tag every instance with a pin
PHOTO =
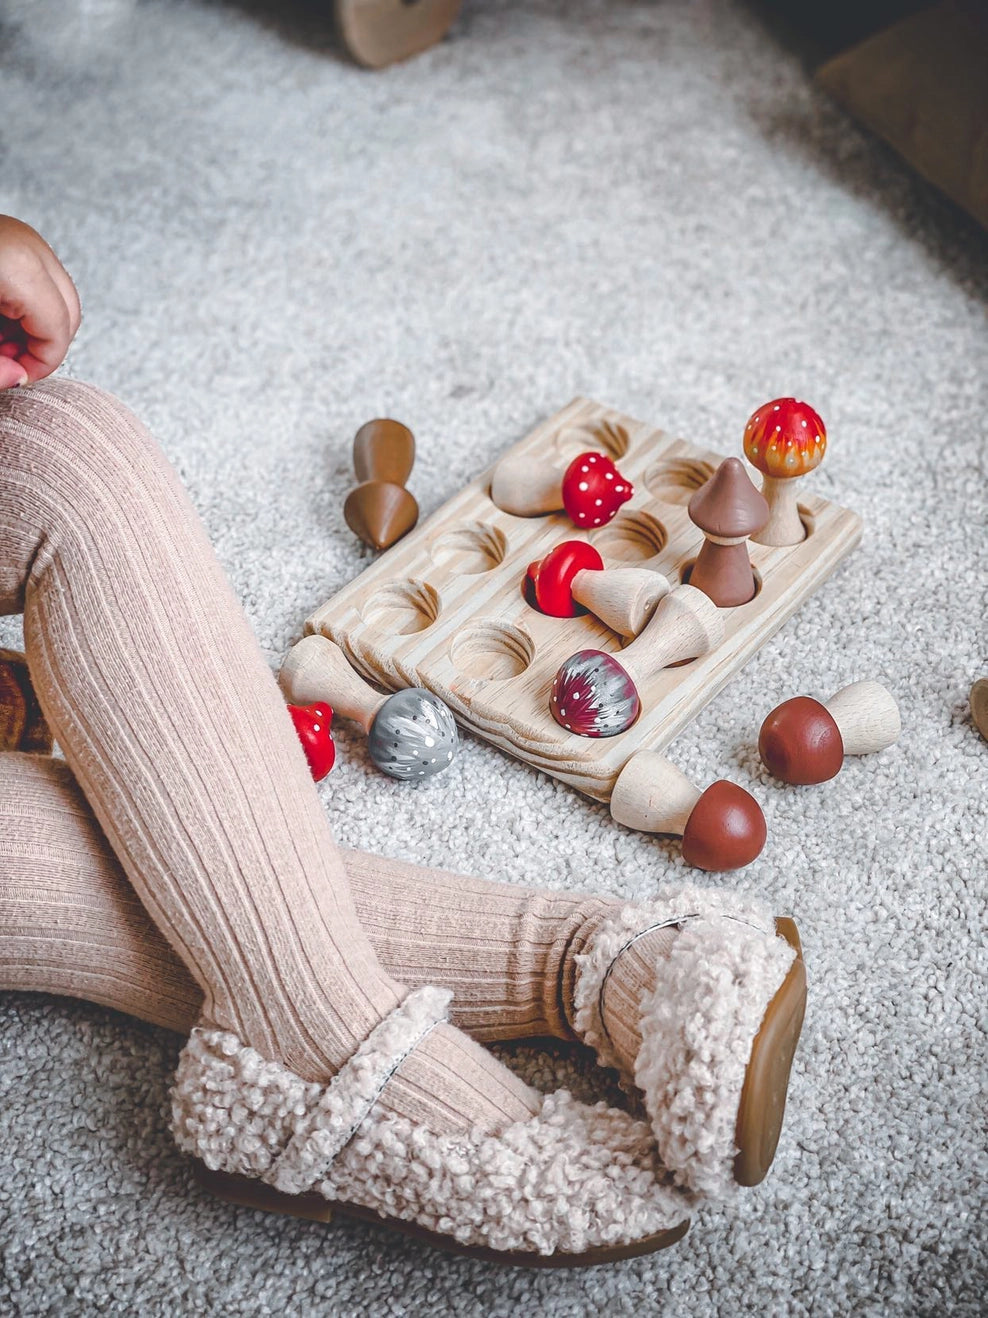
x=411, y=734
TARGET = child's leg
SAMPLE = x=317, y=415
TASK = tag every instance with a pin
x=312, y=1069
x=70, y=923
x=155, y=689
x=521, y=962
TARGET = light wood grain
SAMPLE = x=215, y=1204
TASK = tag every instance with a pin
x=622, y=598
x=444, y=607
x=867, y=716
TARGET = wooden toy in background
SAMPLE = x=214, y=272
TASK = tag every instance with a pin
x=313, y=724
x=722, y=828
x=572, y=579
x=22, y=724
x=784, y=439
x=410, y=735
x=590, y=489
x=376, y=33
x=979, y=705
x=727, y=509
x=803, y=741
x=443, y=608
x=380, y=510
x=596, y=695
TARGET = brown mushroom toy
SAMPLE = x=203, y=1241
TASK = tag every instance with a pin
x=784, y=439
x=572, y=579
x=727, y=509
x=803, y=741
x=380, y=510
x=722, y=828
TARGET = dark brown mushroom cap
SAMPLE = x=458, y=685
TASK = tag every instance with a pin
x=725, y=830
x=728, y=504
x=800, y=742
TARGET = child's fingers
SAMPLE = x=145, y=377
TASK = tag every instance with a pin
x=12, y=373
x=63, y=282
x=45, y=323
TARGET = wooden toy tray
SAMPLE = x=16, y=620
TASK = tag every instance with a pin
x=444, y=608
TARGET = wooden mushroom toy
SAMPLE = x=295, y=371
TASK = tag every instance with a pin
x=979, y=705
x=410, y=735
x=22, y=724
x=590, y=489
x=313, y=724
x=596, y=695
x=784, y=439
x=803, y=741
x=722, y=828
x=380, y=510
x=727, y=509
x=572, y=579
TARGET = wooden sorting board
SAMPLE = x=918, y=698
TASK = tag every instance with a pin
x=444, y=608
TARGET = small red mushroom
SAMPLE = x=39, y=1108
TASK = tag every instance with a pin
x=722, y=828
x=552, y=577
x=572, y=579
x=803, y=741
x=783, y=439
x=590, y=488
x=594, y=490
x=312, y=723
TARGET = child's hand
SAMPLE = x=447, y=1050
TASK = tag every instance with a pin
x=39, y=306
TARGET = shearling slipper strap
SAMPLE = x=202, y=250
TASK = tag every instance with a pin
x=348, y=1099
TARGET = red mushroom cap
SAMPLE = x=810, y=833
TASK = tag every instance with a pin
x=800, y=742
x=312, y=723
x=785, y=438
x=552, y=578
x=725, y=830
x=594, y=489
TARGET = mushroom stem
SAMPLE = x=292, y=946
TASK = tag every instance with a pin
x=723, y=571
x=652, y=795
x=685, y=624
x=867, y=717
x=622, y=598
x=525, y=488
x=784, y=526
x=316, y=669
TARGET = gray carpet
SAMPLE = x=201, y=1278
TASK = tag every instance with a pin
x=648, y=204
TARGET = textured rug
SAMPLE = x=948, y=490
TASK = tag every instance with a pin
x=648, y=204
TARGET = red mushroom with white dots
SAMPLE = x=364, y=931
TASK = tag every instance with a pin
x=784, y=439
x=590, y=489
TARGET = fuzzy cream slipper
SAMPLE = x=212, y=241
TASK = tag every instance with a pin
x=573, y=1185
x=717, y=1025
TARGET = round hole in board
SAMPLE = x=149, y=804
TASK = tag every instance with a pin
x=492, y=651
x=632, y=537
x=605, y=436
x=471, y=549
x=676, y=480
x=402, y=607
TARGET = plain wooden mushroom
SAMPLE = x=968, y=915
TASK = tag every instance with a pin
x=411, y=734
x=572, y=578
x=804, y=741
x=379, y=510
x=784, y=439
x=722, y=827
